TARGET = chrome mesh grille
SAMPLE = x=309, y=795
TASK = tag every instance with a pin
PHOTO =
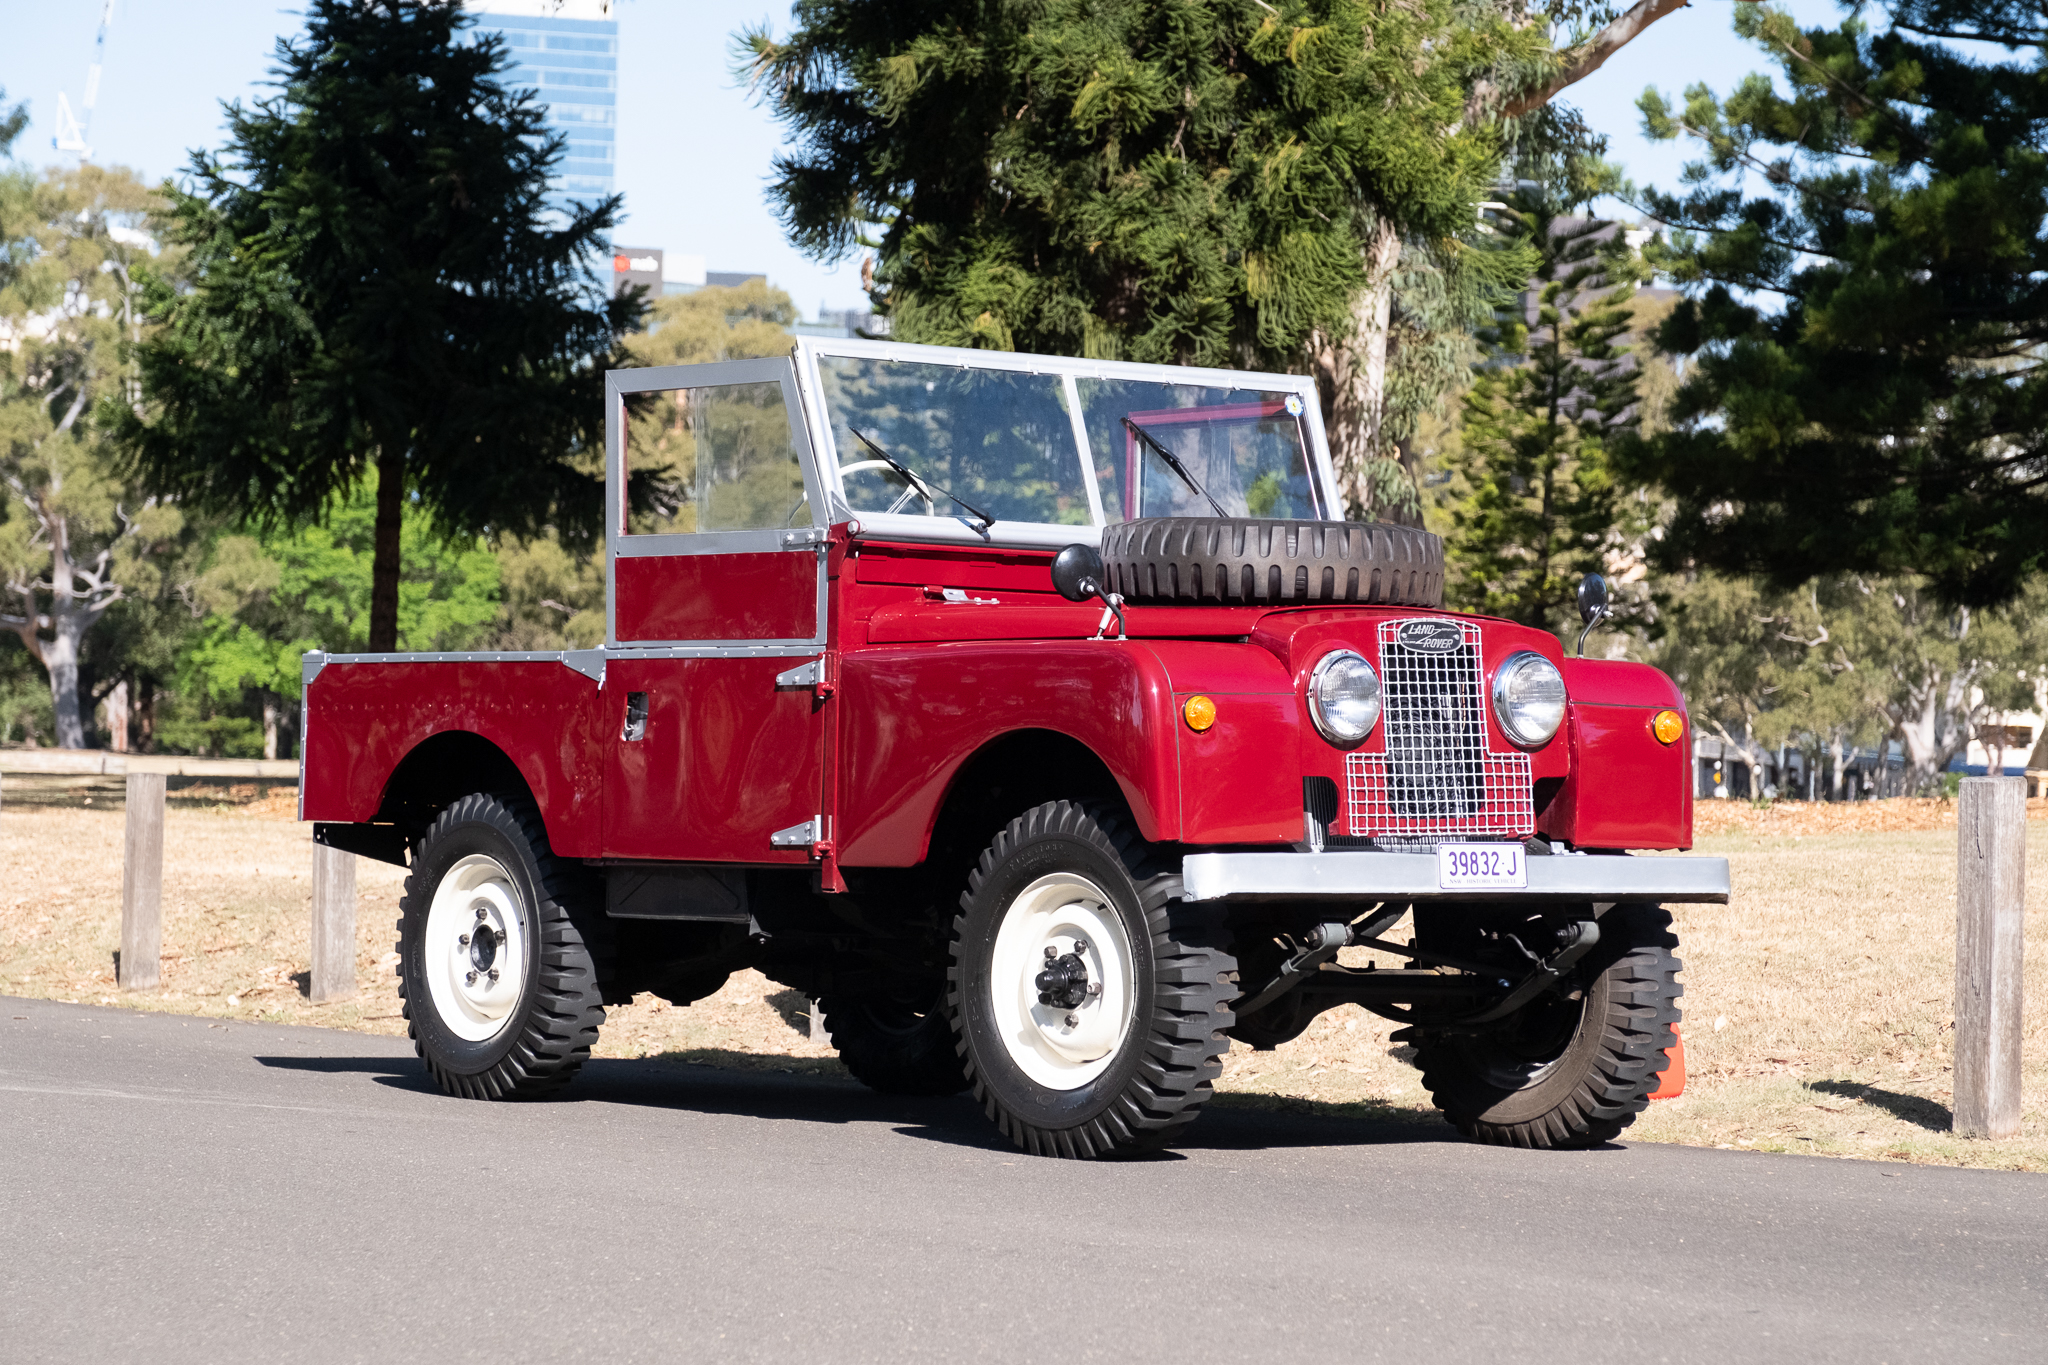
x=1437, y=779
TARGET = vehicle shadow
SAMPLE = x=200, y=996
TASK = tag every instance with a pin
x=1917, y=1110
x=714, y=1081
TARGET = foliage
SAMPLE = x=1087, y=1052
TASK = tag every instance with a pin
x=716, y=323
x=1536, y=505
x=1865, y=389
x=380, y=283
x=1845, y=662
x=266, y=600
x=1208, y=182
x=73, y=244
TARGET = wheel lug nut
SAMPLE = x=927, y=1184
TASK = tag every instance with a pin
x=1080, y=945
x=463, y=940
x=1051, y=952
x=482, y=915
x=469, y=978
x=494, y=973
x=1095, y=988
x=1072, y=1020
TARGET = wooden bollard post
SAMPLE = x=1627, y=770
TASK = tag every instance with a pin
x=142, y=884
x=334, y=924
x=1991, y=862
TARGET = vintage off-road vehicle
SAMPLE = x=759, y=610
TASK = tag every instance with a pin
x=1044, y=720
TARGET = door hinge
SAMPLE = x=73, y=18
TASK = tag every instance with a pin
x=799, y=836
x=811, y=675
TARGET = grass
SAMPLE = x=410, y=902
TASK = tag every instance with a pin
x=1818, y=1004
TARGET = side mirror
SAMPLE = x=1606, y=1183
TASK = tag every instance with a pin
x=1592, y=606
x=1077, y=573
x=1592, y=598
x=1077, y=576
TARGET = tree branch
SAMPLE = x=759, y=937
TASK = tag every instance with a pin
x=1583, y=60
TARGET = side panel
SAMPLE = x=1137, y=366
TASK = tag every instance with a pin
x=913, y=716
x=362, y=719
x=725, y=760
x=1239, y=783
x=771, y=596
x=1626, y=789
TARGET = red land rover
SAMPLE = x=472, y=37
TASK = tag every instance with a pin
x=1043, y=719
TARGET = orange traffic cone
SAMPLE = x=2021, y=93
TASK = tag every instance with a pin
x=1671, y=1080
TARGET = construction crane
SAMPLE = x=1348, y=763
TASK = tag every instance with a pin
x=72, y=132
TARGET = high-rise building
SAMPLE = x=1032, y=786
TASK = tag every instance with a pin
x=568, y=51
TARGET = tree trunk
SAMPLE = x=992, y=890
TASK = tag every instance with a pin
x=60, y=656
x=385, y=563
x=1351, y=373
x=117, y=717
x=1835, y=759
x=145, y=716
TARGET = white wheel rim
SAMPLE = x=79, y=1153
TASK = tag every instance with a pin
x=1057, y=912
x=475, y=981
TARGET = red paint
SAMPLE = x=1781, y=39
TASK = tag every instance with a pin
x=727, y=759
x=362, y=719
x=771, y=596
x=1619, y=772
x=915, y=688
x=1611, y=682
x=915, y=715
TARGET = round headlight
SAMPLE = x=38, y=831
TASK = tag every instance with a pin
x=1528, y=698
x=1344, y=697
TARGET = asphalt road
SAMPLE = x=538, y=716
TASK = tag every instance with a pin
x=173, y=1190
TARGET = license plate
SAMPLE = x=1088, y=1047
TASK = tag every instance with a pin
x=1465, y=867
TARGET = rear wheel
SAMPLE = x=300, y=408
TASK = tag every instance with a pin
x=899, y=1045
x=497, y=980
x=1089, y=1000
x=1565, y=1072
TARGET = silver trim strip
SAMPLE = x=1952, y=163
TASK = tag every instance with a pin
x=589, y=662
x=718, y=543
x=1412, y=876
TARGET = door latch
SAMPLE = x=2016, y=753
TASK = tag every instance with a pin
x=636, y=717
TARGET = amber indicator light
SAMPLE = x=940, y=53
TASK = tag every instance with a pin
x=1200, y=713
x=1667, y=726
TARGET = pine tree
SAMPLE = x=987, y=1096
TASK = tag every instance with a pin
x=1538, y=504
x=1865, y=388
x=1279, y=184
x=1210, y=182
x=382, y=286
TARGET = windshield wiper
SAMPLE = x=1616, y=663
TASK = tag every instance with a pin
x=1172, y=462
x=911, y=477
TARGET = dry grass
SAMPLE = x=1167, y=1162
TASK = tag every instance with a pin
x=1817, y=1005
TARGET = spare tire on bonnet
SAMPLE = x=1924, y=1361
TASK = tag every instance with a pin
x=1245, y=561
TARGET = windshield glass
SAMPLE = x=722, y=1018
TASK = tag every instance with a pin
x=1248, y=449
x=1000, y=440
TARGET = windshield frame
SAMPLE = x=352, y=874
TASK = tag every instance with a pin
x=957, y=530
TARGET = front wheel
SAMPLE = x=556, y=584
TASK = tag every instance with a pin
x=1567, y=1070
x=1089, y=1000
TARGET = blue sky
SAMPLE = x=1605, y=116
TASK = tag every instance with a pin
x=694, y=150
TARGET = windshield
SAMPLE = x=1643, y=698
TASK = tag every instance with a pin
x=1248, y=450
x=1000, y=440
x=1060, y=450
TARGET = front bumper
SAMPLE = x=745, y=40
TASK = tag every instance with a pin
x=1412, y=877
